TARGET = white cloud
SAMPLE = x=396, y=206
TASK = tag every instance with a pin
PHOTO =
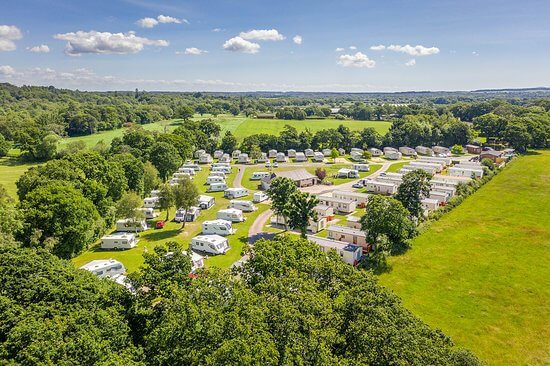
x=106, y=43
x=353, y=48
x=6, y=70
x=297, y=39
x=357, y=60
x=164, y=19
x=217, y=30
x=237, y=44
x=475, y=53
x=193, y=51
x=339, y=49
x=411, y=62
x=43, y=48
x=8, y=35
x=262, y=35
x=380, y=47
x=417, y=50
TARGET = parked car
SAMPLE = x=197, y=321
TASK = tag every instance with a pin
x=275, y=165
x=358, y=185
x=268, y=164
x=160, y=224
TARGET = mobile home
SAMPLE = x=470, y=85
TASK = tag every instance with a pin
x=205, y=202
x=205, y=159
x=375, y=152
x=300, y=157
x=344, y=206
x=374, y=186
x=217, y=227
x=211, y=179
x=360, y=198
x=309, y=153
x=350, y=253
x=409, y=168
x=104, y=268
x=361, y=167
x=466, y=172
x=318, y=157
x=245, y=206
x=151, y=202
x=314, y=226
x=235, y=154
x=243, y=159
x=198, y=153
x=218, y=154
x=437, y=166
x=348, y=235
x=217, y=174
x=259, y=197
x=291, y=153
x=326, y=152
x=436, y=159
x=118, y=241
x=280, y=158
x=225, y=158
x=392, y=155
x=231, y=193
x=259, y=175
x=354, y=222
x=324, y=211
x=211, y=244
x=441, y=150
x=356, y=156
x=423, y=150
x=347, y=173
x=131, y=225
x=272, y=154
x=407, y=151
x=217, y=187
x=429, y=204
x=182, y=175
x=189, y=171
x=231, y=214
x=262, y=158
x=221, y=168
x=439, y=196
x=191, y=166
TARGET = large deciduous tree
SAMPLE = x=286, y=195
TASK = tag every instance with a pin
x=413, y=189
x=165, y=158
x=186, y=195
x=300, y=211
x=279, y=192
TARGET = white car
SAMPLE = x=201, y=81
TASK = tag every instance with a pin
x=275, y=165
x=268, y=164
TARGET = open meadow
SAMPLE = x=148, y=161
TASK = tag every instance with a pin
x=481, y=272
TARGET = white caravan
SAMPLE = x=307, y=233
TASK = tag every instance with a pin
x=218, y=227
x=245, y=206
x=361, y=167
x=231, y=193
x=217, y=174
x=118, y=241
x=191, y=166
x=131, y=225
x=214, y=179
x=259, y=197
x=104, y=267
x=149, y=212
x=151, y=202
x=259, y=175
x=222, y=168
x=212, y=244
x=231, y=214
x=217, y=187
x=205, y=202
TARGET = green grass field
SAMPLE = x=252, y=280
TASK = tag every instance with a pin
x=10, y=171
x=482, y=274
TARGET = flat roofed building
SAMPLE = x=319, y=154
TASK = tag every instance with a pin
x=339, y=205
x=301, y=177
x=351, y=254
x=348, y=235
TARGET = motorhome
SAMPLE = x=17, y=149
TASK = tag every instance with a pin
x=361, y=167
x=205, y=202
x=104, y=268
x=217, y=227
x=217, y=187
x=214, y=179
x=245, y=206
x=211, y=244
x=231, y=193
x=151, y=202
x=230, y=214
x=280, y=157
x=347, y=173
x=149, y=212
x=205, y=159
x=259, y=175
x=291, y=153
x=309, y=153
x=300, y=157
x=131, y=225
x=259, y=197
x=318, y=157
x=272, y=154
x=119, y=241
x=195, y=167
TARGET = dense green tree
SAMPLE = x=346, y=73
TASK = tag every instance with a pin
x=166, y=159
x=184, y=112
x=10, y=224
x=517, y=135
x=166, y=199
x=490, y=125
x=150, y=178
x=369, y=137
x=279, y=192
x=185, y=195
x=301, y=212
x=414, y=188
x=133, y=171
x=5, y=146
x=228, y=143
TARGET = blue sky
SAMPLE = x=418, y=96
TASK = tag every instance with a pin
x=250, y=45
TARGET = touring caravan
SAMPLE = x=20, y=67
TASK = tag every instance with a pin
x=218, y=154
x=326, y=152
x=180, y=215
x=272, y=154
x=151, y=202
x=221, y=168
x=361, y=167
x=217, y=174
x=259, y=197
x=205, y=159
x=217, y=227
x=214, y=179
x=235, y=154
x=217, y=187
x=198, y=153
x=212, y=244
x=280, y=158
x=347, y=173
x=300, y=157
x=230, y=214
x=104, y=267
x=189, y=171
x=243, y=158
x=231, y=193
x=149, y=212
x=245, y=206
x=131, y=225
x=192, y=214
x=259, y=175
x=205, y=202
x=195, y=167
x=118, y=241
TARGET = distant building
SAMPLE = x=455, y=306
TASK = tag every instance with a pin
x=301, y=177
x=266, y=115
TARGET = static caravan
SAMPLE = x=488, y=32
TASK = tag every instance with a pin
x=118, y=241
x=218, y=164
x=389, y=148
x=259, y=197
x=354, y=222
x=347, y=173
x=340, y=205
x=360, y=198
x=348, y=235
x=217, y=187
x=291, y=153
x=437, y=166
x=214, y=179
x=326, y=152
x=198, y=153
x=318, y=157
x=181, y=175
x=205, y=159
x=218, y=154
x=243, y=159
x=262, y=158
x=189, y=171
x=131, y=225
x=324, y=211
x=374, y=186
x=393, y=155
x=314, y=226
x=429, y=204
x=409, y=168
x=375, y=152
x=423, y=150
x=195, y=167
x=280, y=158
x=225, y=158
x=470, y=164
x=197, y=261
x=154, y=193
x=407, y=151
x=361, y=167
x=473, y=149
x=465, y=172
x=439, y=196
x=441, y=150
x=309, y=153
x=390, y=179
x=231, y=193
x=151, y=202
x=217, y=227
x=272, y=154
x=451, y=179
x=259, y=175
x=356, y=156
x=149, y=212
x=350, y=253
x=300, y=157
x=357, y=150
x=235, y=154
x=205, y=202
x=450, y=191
x=341, y=151
x=211, y=244
x=245, y=206
x=231, y=214
x=217, y=174
x=436, y=159
x=104, y=267
x=222, y=168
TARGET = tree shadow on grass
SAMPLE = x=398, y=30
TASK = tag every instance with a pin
x=160, y=235
x=254, y=238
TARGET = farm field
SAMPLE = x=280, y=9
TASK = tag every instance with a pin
x=10, y=171
x=481, y=273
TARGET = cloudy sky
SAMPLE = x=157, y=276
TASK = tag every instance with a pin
x=359, y=45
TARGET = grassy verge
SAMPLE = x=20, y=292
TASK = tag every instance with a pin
x=10, y=171
x=481, y=272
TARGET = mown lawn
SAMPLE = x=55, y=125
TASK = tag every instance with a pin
x=10, y=171
x=482, y=273
x=394, y=168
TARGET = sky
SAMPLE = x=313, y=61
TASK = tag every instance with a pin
x=214, y=45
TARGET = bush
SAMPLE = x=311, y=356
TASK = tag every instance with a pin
x=457, y=149
x=321, y=174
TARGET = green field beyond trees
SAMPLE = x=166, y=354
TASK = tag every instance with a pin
x=481, y=273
